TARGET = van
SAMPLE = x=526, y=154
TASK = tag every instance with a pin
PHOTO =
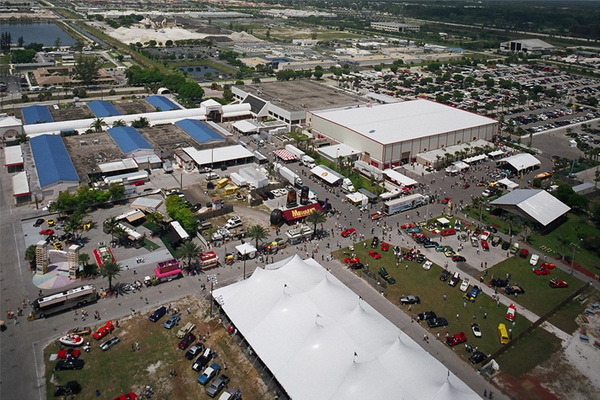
x=189, y=327
x=211, y=176
x=514, y=248
x=503, y=334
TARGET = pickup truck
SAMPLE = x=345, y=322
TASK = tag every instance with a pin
x=377, y=215
x=187, y=328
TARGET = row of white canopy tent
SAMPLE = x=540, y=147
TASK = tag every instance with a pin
x=321, y=341
x=399, y=178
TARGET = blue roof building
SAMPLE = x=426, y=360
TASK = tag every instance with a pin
x=103, y=109
x=161, y=103
x=36, y=115
x=129, y=139
x=200, y=131
x=52, y=161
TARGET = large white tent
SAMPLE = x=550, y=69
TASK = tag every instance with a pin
x=321, y=341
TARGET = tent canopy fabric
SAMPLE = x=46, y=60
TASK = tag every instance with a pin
x=321, y=341
x=508, y=183
x=536, y=204
x=245, y=126
x=245, y=248
x=327, y=174
x=285, y=155
x=521, y=161
x=400, y=178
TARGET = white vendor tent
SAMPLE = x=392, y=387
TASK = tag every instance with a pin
x=510, y=185
x=245, y=127
x=327, y=174
x=357, y=198
x=399, y=178
x=246, y=249
x=321, y=341
x=521, y=162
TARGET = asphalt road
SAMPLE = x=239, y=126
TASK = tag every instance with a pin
x=21, y=366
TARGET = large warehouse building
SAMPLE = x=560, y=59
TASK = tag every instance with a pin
x=392, y=134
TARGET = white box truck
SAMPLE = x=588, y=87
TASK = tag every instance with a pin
x=348, y=186
x=289, y=175
x=404, y=203
x=295, y=151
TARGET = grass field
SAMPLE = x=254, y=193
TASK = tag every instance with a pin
x=121, y=369
x=539, y=297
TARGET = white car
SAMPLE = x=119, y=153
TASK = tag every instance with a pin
x=486, y=193
x=476, y=329
x=534, y=259
x=233, y=222
x=427, y=265
x=464, y=285
x=484, y=236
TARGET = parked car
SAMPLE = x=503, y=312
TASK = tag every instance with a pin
x=548, y=265
x=387, y=277
x=497, y=282
x=448, y=232
x=104, y=330
x=203, y=360
x=464, y=285
x=186, y=341
x=70, y=363
x=69, y=388
x=187, y=328
x=541, y=271
x=446, y=200
x=172, y=321
x=472, y=294
x=444, y=275
x=496, y=240
x=454, y=279
x=231, y=394
x=39, y=222
x=476, y=329
x=196, y=349
x=511, y=312
x=80, y=330
x=375, y=242
x=209, y=373
x=51, y=222
x=217, y=385
x=69, y=352
x=427, y=315
x=158, y=314
x=437, y=322
x=491, y=229
x=485, y=245
x=357, y=265
x=557, y=283
x=47, y=232
x=514, y=289
x=505, y=245
x=410, y=300
x=127, y=396
x=385, y=246
x=348, y=232
x=456, y=339
x=534, y=259
x=427, y=265
x=476, y=357
x=374, y=254
x=110, y=343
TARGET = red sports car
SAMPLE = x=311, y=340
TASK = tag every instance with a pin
x=557, y=283
x=541, y=271
x=448, y=232
x=485, y=245
x=511, y=312
x=406, y=226
x=374, y=254
x=104, y=330
x=446, y=200
x=548, y=265
x=351, y=260
x=455, y=339
x=69, y=353
x=348, y=232
x=385, y=246
x=47, y=232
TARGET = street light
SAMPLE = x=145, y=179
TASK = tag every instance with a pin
x=212, y=278
x=575, y=246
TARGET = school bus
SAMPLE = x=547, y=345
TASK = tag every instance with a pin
x=221, y=183
x=503, y=334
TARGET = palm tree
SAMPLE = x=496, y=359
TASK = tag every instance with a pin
x=119, y=122
x=189, y=250
x=156, y=218
x=84, y=259
x=564, y=244
x=317, y=217
x=98, y=124
x=258, y=233
x=110, y=269
x=111, y=225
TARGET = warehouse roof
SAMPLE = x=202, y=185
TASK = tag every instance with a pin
x=128, y=139
x=103, y=108
x=52, y=162
x=161, y=103
x=521, y=161
x=391, y=123
x=200, y=131
x=536, y=204
x=218, y=155
x=13, y=155
x=36, y=115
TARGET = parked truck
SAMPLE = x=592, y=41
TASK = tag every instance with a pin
x=295, y=151
x=289, y=175
x=405, y=203
x=308, y=161
x=348, y=186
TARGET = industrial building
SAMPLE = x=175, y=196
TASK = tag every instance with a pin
x=390, y=135
x=527, y=46
x=53, y=165
x=536, y=205
x=395, y=27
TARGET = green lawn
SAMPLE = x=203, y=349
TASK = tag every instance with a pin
x=539, y=297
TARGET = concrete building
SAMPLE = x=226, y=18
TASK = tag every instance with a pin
x=395, y=27
x=393, y=134
x=527, y=46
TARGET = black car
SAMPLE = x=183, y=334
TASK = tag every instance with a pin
x=476, y=357
x=490, y=228
x=514, y=289
x=499, y=282
x=196, y=349
x=270, y=195
x=71, y=387
x=430, y=244
x=410, y=300
x=38, y=222
x=203, y=360
x=71, y=363
x=357, y=265
x=387, y=277
x=375, y=242
x=444, y=275
x=158, y=314
x=437, y=322
x=426, y=316
x=505, y=245
x=217, y=385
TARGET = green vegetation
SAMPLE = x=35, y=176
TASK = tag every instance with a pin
x=179, y=211
x=188, y=91
x=110, y=270
x=258, y=233
x=23, y=56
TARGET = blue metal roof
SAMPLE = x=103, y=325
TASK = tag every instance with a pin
x=103, y=109
x=128, y=139
x=36, y=115
x=52, y=162
x=200, y=131
x=162, y=103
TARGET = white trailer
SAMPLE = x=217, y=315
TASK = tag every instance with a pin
x=238, y=180
x=289, y=175
x=295, y=151
x=404, y=203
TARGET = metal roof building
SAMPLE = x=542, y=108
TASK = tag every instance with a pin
x=103, y=108
x=393, y=134
x=36, y=115
x=53, y=164
x=161, y=103
x=129, y=140
x=535, y=204
x=200, y=131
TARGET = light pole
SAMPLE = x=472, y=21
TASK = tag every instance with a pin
x=212, y=278
x=575, y=246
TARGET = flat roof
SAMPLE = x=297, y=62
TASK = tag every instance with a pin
x=219, y=154
x=20, y=184
x=102, y=108
x=13, y=155
x=52, y=161
x=408, y=120
x=301, y=95
x=128, y=139
x=200, y=131
x=89, y=151
x=162, y=103
x=36, y=115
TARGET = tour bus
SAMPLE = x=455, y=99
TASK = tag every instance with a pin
x=503, y=334
x=62, y=301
